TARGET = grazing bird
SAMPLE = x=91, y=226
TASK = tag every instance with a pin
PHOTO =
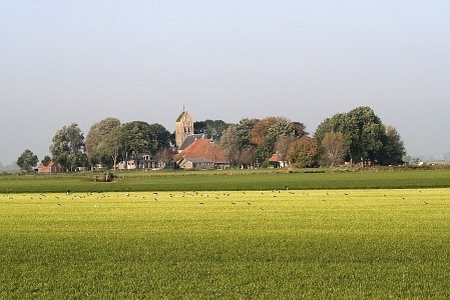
x=68, y=192
x=127, y=194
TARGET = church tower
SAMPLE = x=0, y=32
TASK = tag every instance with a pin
x=184, y=127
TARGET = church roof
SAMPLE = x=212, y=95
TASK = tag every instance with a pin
x=202, y=148
x=190, y=139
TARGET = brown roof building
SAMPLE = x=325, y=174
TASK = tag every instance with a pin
x=201, y=154
x=50, y=168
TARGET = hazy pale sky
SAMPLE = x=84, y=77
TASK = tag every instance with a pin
x=82, y=61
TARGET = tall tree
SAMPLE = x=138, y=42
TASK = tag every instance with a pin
x=261, y=129
x=393, y=148
x=267, y=132
x=112, y=144
x=303, y=152
x=363, y=131
x=334, y=124
x=333, y=148
x=366, y=134
x=96, y=136
x=27, y=160
x=230, y=144
x=141, y=137
x=236, y=143
x=160, y=138
x=67, y=147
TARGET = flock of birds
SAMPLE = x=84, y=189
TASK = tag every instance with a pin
x=200, y=197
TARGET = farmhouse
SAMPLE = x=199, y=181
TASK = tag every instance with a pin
x=50, y=168
x=277, y=160
x=141, y=161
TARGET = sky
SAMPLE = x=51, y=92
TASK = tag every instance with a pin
x=64, y=62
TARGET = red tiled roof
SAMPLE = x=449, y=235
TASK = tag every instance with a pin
x=276, y=157
x=202, y=148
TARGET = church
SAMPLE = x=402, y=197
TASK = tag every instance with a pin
x=195, y=151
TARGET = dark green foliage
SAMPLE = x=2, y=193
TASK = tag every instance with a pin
x=213, y=129
x=27, y=160
x=67, y=147
x=141, y=137
x=365, y=135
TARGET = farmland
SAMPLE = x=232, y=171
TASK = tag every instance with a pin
x=341, y=243
x=311, y=244
x=227, y=180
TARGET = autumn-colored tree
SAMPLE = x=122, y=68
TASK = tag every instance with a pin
x=236, y=142
x=261, y=128
x=283, y=144
x=246, y=156
x=267, y=132
x=333, y=148
x=303, y=152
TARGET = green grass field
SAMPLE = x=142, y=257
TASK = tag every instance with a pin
x=274, y=244
x=227, y=180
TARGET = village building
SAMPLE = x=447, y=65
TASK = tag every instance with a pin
x=50, y=168
x=184, y=127
x=195, y=151
x=201, y=154
x=277, y=160
x=141, y=161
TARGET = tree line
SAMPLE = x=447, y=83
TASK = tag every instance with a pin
x=357, y=136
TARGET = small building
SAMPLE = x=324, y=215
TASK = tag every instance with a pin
x=277, y=160
x=50, y=168
x=196, y=163
x=143, y=161
x=126, y=165
x=148, y=162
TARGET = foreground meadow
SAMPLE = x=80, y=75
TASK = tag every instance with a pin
x=279, y=244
